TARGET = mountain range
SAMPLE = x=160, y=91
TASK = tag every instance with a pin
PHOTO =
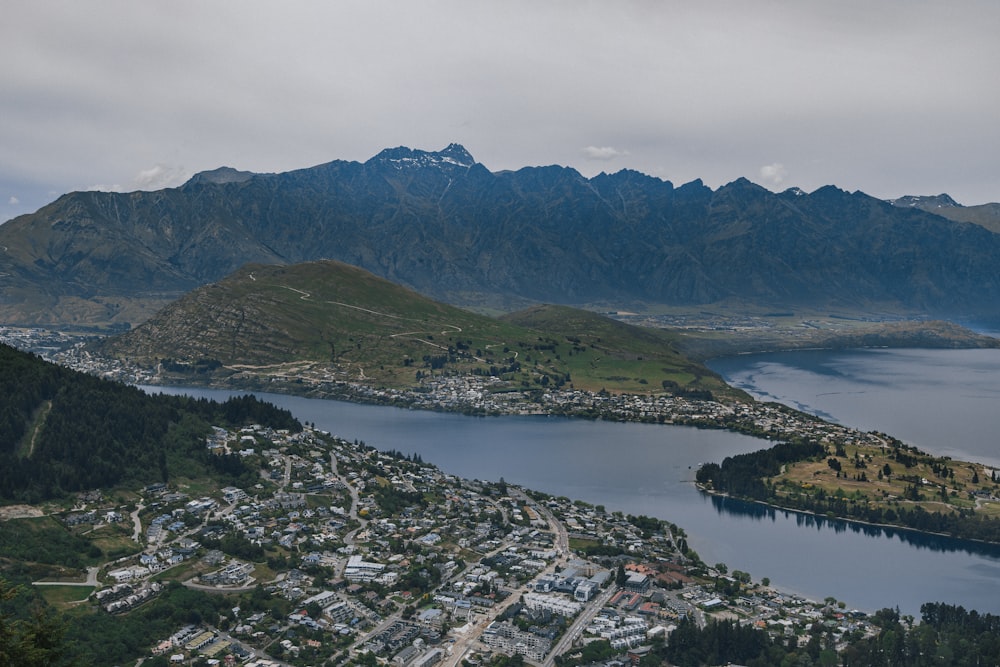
x=444, y=225
x=985, y=215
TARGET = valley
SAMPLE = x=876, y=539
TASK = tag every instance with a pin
x=287, y=545
x=623, y=334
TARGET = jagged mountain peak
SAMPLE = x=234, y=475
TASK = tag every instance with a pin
x=743, y=184
x=696, y=184
x=458, y=153
x=831, y=192
x=221, y=175
x=439, y=222
x=630, y=175
x=402, y=157
x=925, y=202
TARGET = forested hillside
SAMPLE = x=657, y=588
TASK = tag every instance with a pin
x=913, y=502
x=63, y=431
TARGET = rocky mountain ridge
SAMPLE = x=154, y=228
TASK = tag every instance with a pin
x=444, y=225
x=984, y=215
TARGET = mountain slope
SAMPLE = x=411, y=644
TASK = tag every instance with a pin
x=984, y=215
x=444, y=225
x=274, y=318
x=328, y=321
x=63, y=431
x=636, y=351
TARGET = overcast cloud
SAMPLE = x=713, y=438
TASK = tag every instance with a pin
x=890, y=97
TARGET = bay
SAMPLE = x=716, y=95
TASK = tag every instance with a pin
x=648, y=469
x=941, y=401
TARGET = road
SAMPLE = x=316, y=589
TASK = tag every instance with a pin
x=582, y=621
x=464, y=644
x=355, y=503
x=137, y=523
x=91, y=580
x=558, y=529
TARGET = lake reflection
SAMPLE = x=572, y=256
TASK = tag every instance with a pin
x=942, y=543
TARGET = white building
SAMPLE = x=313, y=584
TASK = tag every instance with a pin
x=553, y=603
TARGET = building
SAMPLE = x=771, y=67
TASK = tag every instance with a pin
x=432, y=657
x=585, y=591
x=358, y=569
x=637, y=582
x=553, y=603
x=504, y=636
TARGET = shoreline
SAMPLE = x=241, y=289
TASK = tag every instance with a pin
x=849, y=520
x=768, y=439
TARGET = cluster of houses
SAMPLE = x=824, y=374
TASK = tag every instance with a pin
x=507, y=638
x=93, y=517
x=407, y=644
x=152, y=562
x=192, y=639
x=234, y=573
x=122, y=597
x=479, y=541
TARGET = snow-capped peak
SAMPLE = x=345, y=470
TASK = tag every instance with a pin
x=402, y=157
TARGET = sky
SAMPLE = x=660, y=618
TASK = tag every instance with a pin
x=890, y=97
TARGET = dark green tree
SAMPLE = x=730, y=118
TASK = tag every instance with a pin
x=35, y=640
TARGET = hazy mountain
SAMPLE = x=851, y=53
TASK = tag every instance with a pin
x=985, y=215
x=444, y=225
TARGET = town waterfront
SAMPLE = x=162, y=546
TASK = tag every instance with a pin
x=648, y=469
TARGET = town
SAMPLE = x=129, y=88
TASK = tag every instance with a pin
x=484, y=395
x=341, y=551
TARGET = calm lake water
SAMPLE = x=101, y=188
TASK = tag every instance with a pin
x=942, y=401
x=648, y=469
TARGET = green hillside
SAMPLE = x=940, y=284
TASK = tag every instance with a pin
x=601, y=352
x=329, y=321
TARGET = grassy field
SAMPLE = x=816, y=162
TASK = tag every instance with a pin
x=602, y=353
x=578, y=543
x=181, y=572
x=114, y=540
x=44, y=540
x=893, y=477
x=65, y=596
x=197, y=487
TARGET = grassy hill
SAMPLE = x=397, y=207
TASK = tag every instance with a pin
x=332, y=321
x=607, y=353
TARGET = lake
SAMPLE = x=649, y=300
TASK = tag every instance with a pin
x=942, y=401
x=648, y=469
